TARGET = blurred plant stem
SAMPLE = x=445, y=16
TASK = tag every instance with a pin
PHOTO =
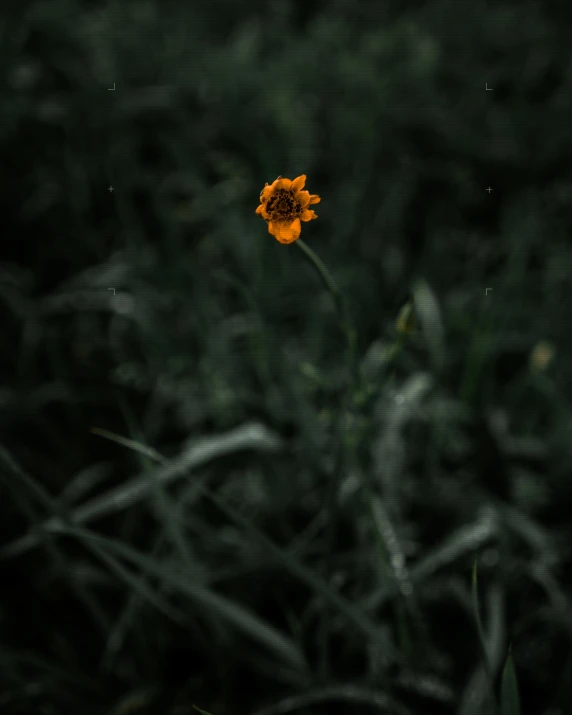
x=346, y=458
x=345, y=447
x=343, y=312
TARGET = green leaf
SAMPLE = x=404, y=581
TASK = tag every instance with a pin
x=203, y=712
x=477, y=612
x=426, y=307
x=480, y=633
x=509, y=700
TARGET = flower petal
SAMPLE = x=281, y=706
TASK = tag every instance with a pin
x=298, y=182
x=315, y=199
x=261, y=211
x=285, y=231
x=282, y=184
x=265, y=194
x=308, y=215
x=303, y=198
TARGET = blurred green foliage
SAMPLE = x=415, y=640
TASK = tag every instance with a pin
x=213, y=514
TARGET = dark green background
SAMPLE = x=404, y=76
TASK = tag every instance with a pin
x=344, y=538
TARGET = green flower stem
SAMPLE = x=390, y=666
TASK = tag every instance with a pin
x=342, y=308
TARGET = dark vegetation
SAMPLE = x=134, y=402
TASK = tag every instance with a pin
x=312, y=547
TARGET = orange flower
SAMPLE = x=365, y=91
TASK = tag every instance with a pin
x=283, y=205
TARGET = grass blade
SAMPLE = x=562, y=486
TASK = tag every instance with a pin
x=26, y=492
x=338, y=693
x=510, y=699
x=197, y=453
x=481, y=634
x=233, y=613
x=353, y=614
x=466, y=539
x=427, y=308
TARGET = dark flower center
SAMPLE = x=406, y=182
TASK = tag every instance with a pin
x=282, y=204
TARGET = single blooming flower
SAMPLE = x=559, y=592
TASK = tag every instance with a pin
x=283, y=205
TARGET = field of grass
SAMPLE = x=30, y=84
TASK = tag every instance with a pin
x=206, y=498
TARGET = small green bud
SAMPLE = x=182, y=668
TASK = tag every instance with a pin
x=406, y=319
